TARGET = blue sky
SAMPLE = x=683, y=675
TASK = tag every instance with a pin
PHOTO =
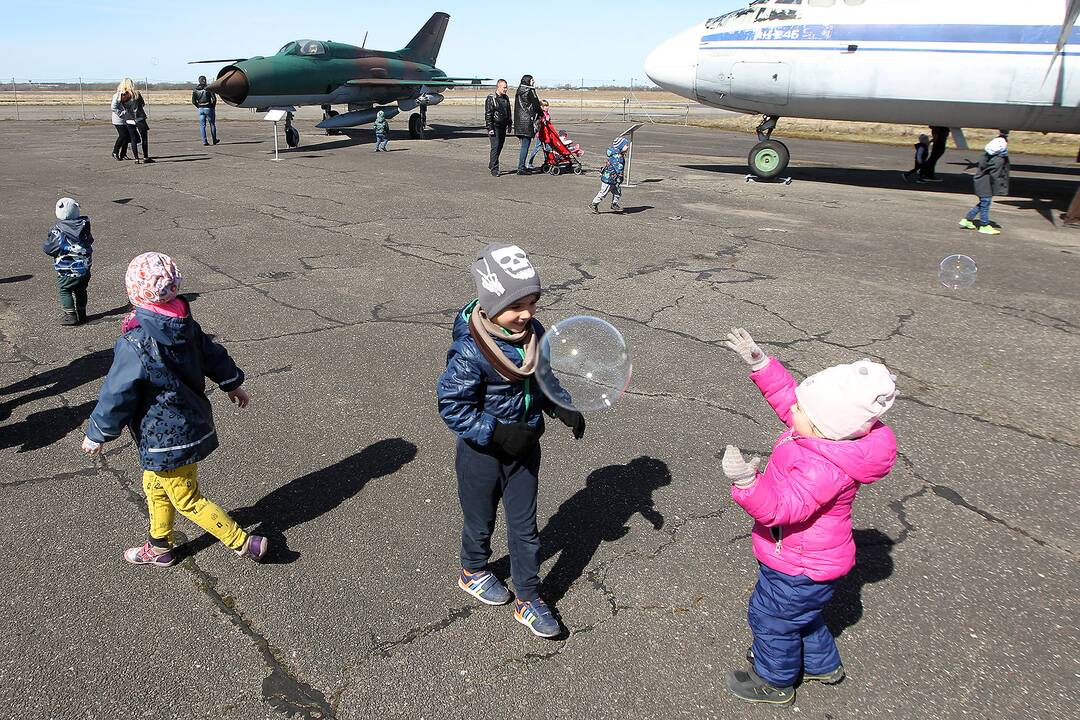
x=603, y=42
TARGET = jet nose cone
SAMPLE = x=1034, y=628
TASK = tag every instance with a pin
x=673, y=64
x=231, y=85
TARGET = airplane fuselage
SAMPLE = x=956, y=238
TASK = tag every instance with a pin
x=984, y=63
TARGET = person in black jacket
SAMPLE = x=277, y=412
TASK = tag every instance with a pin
x=206, y=102
x=526, y=112
x=992, y=178
x=139, y=104
x=497, y=119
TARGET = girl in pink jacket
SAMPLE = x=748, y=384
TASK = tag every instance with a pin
x=801, y=505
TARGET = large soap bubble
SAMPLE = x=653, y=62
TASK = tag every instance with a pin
x=957, y=272
x=583, y=364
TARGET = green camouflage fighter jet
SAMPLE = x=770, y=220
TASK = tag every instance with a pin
x=314, y=72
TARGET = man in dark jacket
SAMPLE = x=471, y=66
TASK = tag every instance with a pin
x=497, y=118
x=206, y=102
x=939, y=137
x=526, y=112
x=992, y=178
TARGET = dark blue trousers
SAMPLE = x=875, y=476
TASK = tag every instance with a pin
x=483, y=478
x=789, y=632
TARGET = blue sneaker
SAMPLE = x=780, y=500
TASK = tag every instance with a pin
x=536, y=615
x=485, y=587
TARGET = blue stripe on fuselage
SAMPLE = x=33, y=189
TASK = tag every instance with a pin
x=1015, y=34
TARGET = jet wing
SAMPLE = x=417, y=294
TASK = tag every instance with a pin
x=228, y=60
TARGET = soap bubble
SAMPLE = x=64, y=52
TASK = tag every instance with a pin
x=583, y=364
x=957, y=272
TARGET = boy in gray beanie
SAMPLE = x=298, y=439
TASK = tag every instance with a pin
x=488, y=398
x=70, y=244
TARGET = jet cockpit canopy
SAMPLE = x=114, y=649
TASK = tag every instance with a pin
x=309, y=48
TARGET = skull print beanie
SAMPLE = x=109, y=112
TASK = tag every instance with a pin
x=503, y=275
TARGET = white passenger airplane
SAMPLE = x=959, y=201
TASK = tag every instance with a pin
x=947, y=63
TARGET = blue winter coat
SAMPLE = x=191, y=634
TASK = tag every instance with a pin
x=473, y=395
x=155, y=387
x=71, y=244
x=612, y=174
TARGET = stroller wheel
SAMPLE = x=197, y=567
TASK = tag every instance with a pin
x=578, y=169
x=554, y=170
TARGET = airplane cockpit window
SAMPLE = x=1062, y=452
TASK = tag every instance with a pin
x=288, y=48
x=312, y=47
x=854, y=2
x=821, y=3
x=763, y=11
x=778, y=10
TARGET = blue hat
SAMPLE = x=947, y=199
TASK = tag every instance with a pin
x=620, y=144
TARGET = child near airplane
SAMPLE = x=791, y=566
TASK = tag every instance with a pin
x=382, y=132
x=489, y=399
x=155, y=388
x=70, y=244
x=611, y=177
x=801, y=505
x=922, y=152
x=991, y=178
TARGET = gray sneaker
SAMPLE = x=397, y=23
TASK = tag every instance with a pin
x=830, y=678
x=485, y=587
x=749, y=686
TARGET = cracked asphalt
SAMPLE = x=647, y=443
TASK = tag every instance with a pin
x=332, y=277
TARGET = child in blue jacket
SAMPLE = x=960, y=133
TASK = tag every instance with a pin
x=382, y=132
x=487, y=396
x=70, y=244
x=611, y=177
x=156, y=389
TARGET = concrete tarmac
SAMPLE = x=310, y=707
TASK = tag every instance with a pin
x=333, y=276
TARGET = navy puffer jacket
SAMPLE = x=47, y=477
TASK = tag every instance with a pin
x=473, y=396
x=156, y=388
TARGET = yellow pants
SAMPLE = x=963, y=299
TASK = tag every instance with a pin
x=170, y=490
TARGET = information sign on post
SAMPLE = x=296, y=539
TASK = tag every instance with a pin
x=275, y=116
x=629, y=135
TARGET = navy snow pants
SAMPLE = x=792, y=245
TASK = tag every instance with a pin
x=483, y=478
x=789, y=632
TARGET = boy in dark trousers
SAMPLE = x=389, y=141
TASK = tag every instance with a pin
x=611, y=177
x=922, y=152
x=487, y=396
x=71, y=245
x=991, y=178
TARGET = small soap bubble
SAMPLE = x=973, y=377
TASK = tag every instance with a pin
x=589, y=367
x=957, y=272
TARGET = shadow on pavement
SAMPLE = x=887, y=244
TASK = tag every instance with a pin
x=596, y=514
x=119, y=310
x=311, y=496
x=41, y=429
x=50, y=383
x=14, y=279
x=873, y=563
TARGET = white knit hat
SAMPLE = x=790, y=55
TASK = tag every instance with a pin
x=67, y=209
x=844, y=401
x=997, y=146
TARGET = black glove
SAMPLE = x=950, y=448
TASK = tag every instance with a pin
x=571, y=419
x=515, y=439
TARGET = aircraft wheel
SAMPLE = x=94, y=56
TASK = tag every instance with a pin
x=292, y=137
x=416, y=127
x=326, y=116
x=768, y=159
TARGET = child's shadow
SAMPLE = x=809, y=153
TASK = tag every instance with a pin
x=873, y=563
x=595, y=514
x=306, y=498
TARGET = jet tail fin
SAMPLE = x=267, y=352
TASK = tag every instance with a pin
x=424, y=47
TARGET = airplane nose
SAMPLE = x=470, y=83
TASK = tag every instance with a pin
x=231, y=85
x=673, y=64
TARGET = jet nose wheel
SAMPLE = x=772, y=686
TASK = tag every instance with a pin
x=768, y=159
x=292, y=137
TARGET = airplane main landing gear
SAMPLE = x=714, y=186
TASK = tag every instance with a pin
x=328, y=113
x=416, y=127
x=769, y=157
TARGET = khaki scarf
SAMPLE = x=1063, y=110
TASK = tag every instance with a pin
x=484, y=332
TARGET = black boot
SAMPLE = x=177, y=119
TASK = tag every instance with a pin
x=749, y=686
x=70, y=318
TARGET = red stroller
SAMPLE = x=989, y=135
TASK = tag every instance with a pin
x=560, y=153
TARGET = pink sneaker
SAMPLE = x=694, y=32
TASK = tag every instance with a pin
x=149, y=555
x=254, y=547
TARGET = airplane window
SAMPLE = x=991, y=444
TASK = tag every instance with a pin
x=725, y=19
x=312, y=47
x=288, y=48
x=821, y=3
x=854, y=2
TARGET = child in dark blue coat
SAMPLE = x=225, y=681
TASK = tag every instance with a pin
x=70, y=244
x=611, y=177
x=156, y=389
x=487, y=396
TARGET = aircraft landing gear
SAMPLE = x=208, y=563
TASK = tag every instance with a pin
x=769, y=157
x=327, y=113
x=292, y=135
x=416, y=127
